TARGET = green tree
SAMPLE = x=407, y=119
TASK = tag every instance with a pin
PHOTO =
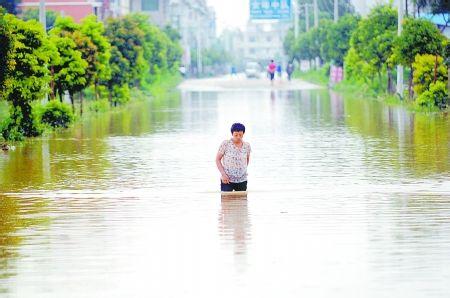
x=69, y=70
x=426, y=72
x=9, y=5
x=373, y=39
x=418, y=37
x=337, y=41
x=66, y=27
x=28, y=73
x=127, y=61
x=6, y=44
x=101, y=69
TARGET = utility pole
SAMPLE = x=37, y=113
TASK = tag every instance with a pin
x=336, y=11
x=400, y=67
x=42, y=14
x=296, y=11
x=316, y=14
x=307, y=17
x=199, y=53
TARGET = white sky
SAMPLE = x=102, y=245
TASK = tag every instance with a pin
x=230, y=13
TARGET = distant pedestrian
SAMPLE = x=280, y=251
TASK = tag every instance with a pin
x=289, y=70
x=271, y=68
x=279, y=70
x=233, y=71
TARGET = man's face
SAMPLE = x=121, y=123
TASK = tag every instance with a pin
x=238, y=135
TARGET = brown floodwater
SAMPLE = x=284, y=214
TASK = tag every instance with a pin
x=347, y=198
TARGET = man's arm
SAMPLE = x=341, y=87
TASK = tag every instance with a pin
x=224, y=178
x=248, y=158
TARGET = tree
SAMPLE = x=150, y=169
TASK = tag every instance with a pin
x=337, y=41
x=418, y=37
x=6, y=45
x=28, y=74
x=95, y=30
x=9, y=5
x=127, y=62
x=66, y=27
x=373, y=39
x=69, y=70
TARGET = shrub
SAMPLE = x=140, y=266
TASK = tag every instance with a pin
x=57, y=114
x=424, y=72
x=101, y=105
x=435, y=96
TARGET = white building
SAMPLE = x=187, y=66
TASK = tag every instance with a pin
x=260, y=42
x=195, y=21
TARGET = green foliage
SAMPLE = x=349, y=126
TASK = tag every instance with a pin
x=126, y=40
x=436, y=96
x=418, y=37
x=10, y=6
x=356, y=68
x=57, y=114
x=28, y=75
x=68, y=67
x=6, y=45
x=330, y=41
x=78, y=55
x=95, y=30
x=373, y=38
x=33, y=14
x=337, y=39
x=424, y=68
x=99, y=106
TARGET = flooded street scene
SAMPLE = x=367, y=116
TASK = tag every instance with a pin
x=346, y=198
x=224, y=149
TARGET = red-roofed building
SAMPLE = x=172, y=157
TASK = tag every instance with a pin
x=78, y=9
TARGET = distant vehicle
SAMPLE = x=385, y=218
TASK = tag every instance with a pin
x=252, y=70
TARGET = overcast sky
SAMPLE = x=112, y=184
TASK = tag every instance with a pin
x=230, y=13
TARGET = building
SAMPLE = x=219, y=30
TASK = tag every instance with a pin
x=195, y=21
x=260, y=42
x=78, y=9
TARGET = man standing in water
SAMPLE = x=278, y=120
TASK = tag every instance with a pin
x=232, y=160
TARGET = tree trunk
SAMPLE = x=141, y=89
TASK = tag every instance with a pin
x=410, y=84
x=435, y=68
x=96, y=90
x=52, y=84
x=448, y=81
x=72, y=102
x=389, y=85
x=110, y=96
x=81, y=103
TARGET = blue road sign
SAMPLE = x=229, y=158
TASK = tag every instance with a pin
x=270, y=9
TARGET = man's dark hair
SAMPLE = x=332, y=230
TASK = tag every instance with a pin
x=237, y=127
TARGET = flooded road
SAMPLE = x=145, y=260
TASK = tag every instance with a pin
x=347, y=198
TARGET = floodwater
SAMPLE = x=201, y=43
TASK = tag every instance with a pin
x=347, y=198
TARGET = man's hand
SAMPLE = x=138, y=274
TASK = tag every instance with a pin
x=225, y=179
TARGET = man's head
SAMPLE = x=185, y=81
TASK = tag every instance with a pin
x=271, y=60
x=237, y=131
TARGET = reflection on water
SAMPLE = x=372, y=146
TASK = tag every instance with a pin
x=347, y=198
x=234, y=226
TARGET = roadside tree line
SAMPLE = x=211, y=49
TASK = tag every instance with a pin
x=104, y=60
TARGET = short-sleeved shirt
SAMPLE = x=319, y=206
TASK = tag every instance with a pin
x=234, y=160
